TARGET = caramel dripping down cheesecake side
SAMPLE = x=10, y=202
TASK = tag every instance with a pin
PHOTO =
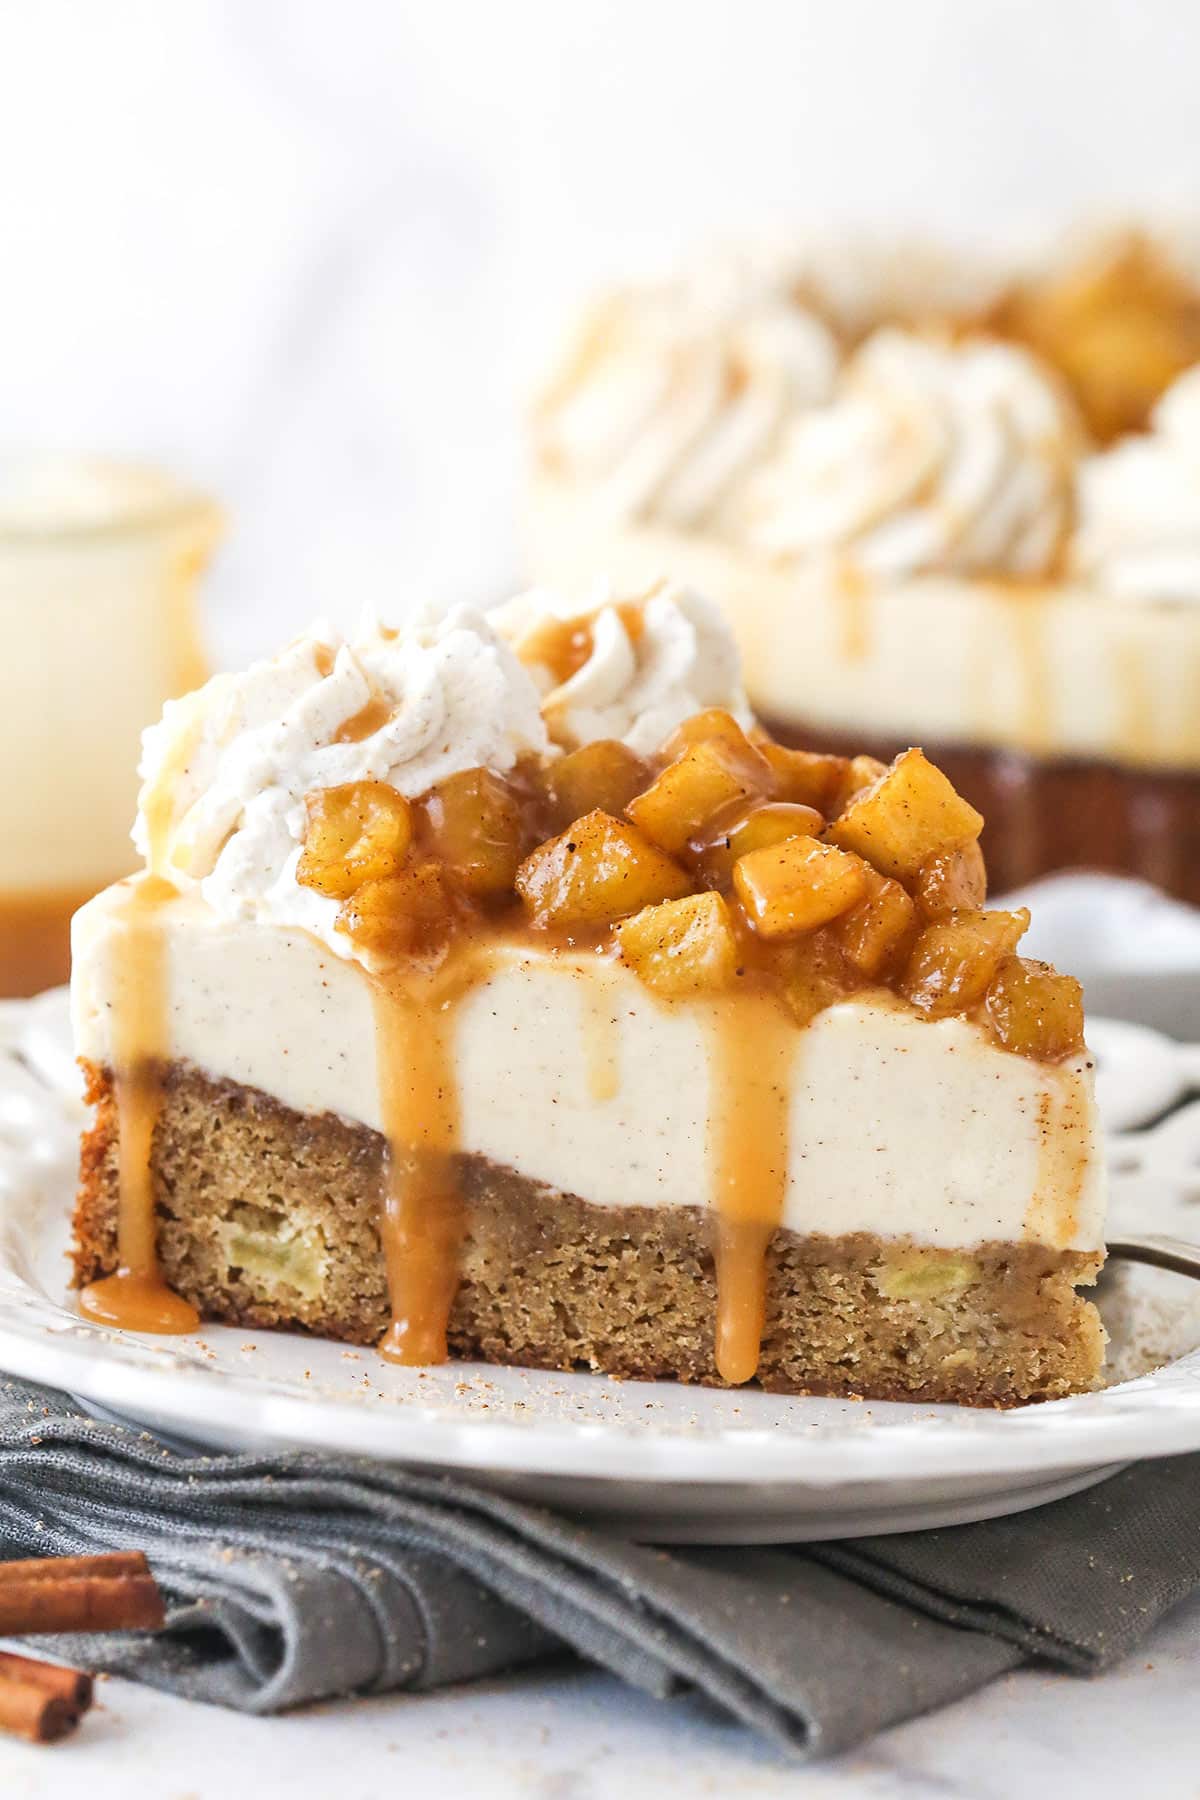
x=498, y=988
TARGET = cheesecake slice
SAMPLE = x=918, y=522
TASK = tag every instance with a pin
x=498, y=989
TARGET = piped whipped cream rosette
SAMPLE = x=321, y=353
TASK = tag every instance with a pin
x=932, y=455
x=668, y=397
x=226, y=771
x=634, y=672
x=1139, y=528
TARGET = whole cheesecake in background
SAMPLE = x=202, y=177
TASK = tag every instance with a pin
x=497, y=988
x=940, y=503
x=99, y=566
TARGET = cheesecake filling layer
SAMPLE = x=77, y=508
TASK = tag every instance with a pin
x=570, y=1072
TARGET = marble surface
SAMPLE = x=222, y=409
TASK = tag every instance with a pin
x=573, y=1734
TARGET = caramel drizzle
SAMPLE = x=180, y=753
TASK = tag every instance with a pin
x=137, y=1298
x=753, y=1045
x=601, y=1044
x=564, y=646
x=421, y=1217
x=368, y=719
x=1028, y=624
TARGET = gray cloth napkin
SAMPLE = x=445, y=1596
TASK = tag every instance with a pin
x=297, y=1577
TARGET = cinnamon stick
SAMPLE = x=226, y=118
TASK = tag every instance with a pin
x=28, y=1711
x=79, y=1593
x=71, y=1685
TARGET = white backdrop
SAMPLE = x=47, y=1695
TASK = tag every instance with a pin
x=307, y=251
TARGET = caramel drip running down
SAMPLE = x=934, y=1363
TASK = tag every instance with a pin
x=601, y=1043
x=1028, y=614
x=136, y=1298
x=370, y=718
x=753, y=1047
x=421, y=1220
x=1064, y=1156
x=854, y=617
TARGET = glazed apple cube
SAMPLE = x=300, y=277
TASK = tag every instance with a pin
x=815, y=975
x=795, y=886
x=472, y=824
x=682, y=946
x=772, y=822
x=805, y=776
x=358, y=832
x=713, y=724
x=1035, y=1011
x=600, y=777
x=910, y=814
x=709, y=778
x=598, y=871
x=876, y=931
x=862, y=772
x=954, y=960
x=399, y=915
x=952, y=881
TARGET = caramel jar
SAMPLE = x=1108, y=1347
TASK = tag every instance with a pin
x=99, y=567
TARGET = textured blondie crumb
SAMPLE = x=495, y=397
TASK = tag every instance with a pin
x=267, y=1217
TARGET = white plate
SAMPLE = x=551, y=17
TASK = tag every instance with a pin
x=673, y=1463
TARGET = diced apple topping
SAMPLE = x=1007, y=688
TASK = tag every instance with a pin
x=355, y=833
x=805, y=776
x=471, y=823
x=773, y=822
x=598, y=871
x=908, y=815
x=400, y=915
x=876, y=931
x=1035, y=1011
x=863, y=772
x=710, y=778
x=682, y=946
x=955, y=959
x=952, y=881
x=795, y=886
x=814, y=975
x=714, y=724
x=599, y=777
x=724, y=860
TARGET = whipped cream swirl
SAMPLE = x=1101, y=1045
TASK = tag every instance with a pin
x=226, y=771
x=669, y=396
x=933, y=456
x=1139, y=506
x=646, y=664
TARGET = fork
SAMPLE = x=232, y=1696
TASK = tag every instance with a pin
x=1160, y=1251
